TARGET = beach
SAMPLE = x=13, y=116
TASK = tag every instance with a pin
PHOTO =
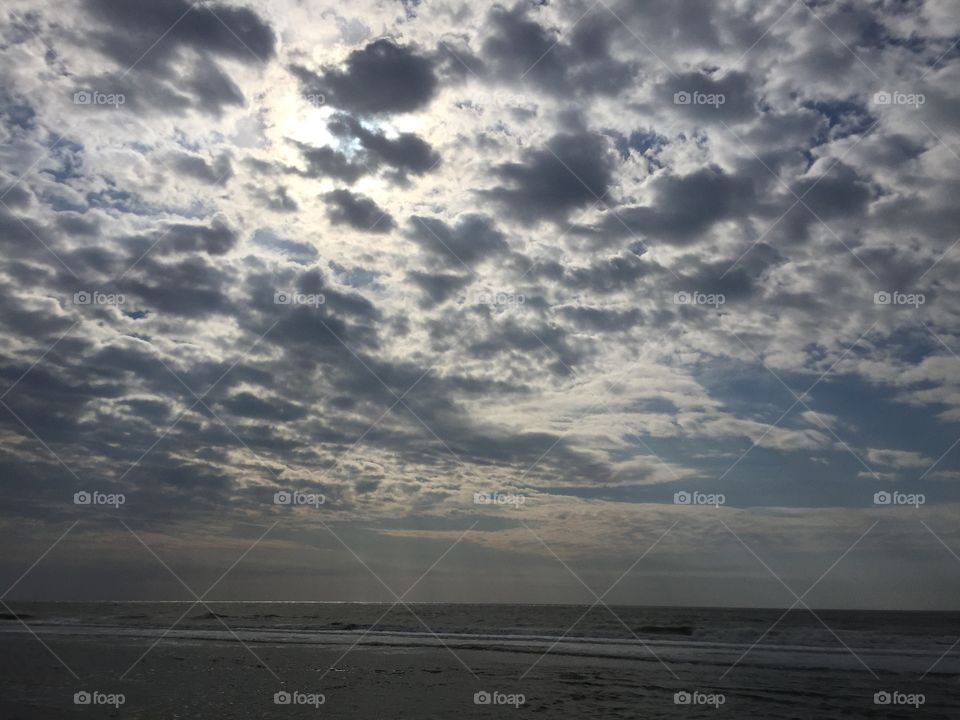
x=236, y=662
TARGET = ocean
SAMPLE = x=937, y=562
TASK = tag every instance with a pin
x=431, y=660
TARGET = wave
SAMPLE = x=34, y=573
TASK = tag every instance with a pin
x=657, y=649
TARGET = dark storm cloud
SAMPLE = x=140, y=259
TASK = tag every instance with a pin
x=689, y=93
x=357, y=211
x=549, y=342
x=192, y=287
x=571, y=172
x=404, y=155
x=381, y=78
x=601, y=319
x=683, y=209
x=14, y=195
x=472, y=240
x=278, y=200
x=299, y=252
x=439, y=287
x=167, y=50
x=842, y=193
x=248, y=405
x=202, y=86
x=604, y=276
x=129, y=27
x=73, y=223
x=327, y=162
x=213, y=89
x=519, y=49
x=217, y=172
x=217, y=238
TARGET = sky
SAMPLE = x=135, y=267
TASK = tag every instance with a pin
x=653, y=301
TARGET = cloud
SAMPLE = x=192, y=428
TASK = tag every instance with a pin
x=898, y=458
x=473, y=239
x=402, y=156
x=218, y=172
x=519, y=48
x=571, y=172
x=128, y=28
x=381, y=78
x=357, y=211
